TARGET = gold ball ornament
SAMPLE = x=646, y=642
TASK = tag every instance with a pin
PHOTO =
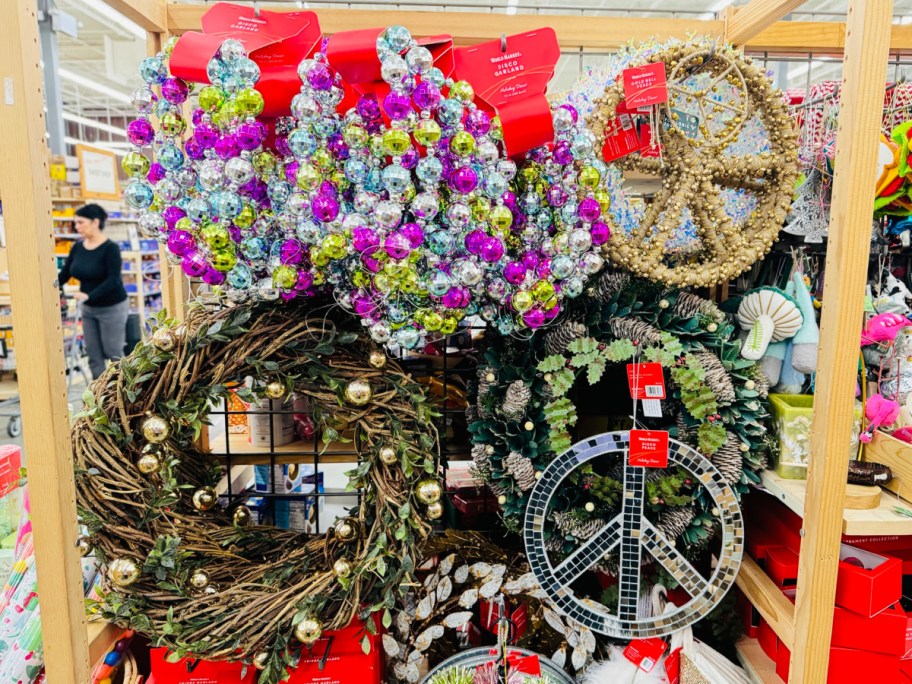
x=345, y=529
x=275, y=390
x=155, y=429
x=428, y=491
x=529, y=426
x=241, y=516
x=589, y=506
x=164, y=339
x=199, y=579
x=309, y=630
x=260, y=660
x=435, y=511
x=712, y=327
x=664, y=303
x=204, y=499
x=342, y=568
x=377, y=359
x=388, y=455
x=490, y=377
x=750, y=384
x=123, y=571
x=84, y=544
x=358, y=392
x=502, y=499
x=150, y=460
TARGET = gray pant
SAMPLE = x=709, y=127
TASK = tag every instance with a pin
x=105, y=332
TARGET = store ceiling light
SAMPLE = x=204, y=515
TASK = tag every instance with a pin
x=721, y=5
x=93, y=123
x=511, y=6
x=100, y=8
x=93, y=85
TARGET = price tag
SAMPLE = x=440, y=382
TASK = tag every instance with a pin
x=652, y=408
x=673, y=666
x=646, y=380
x=621, y=138
x=645, y=86
x=649, y=448
x=645, y=653
x=687, y=123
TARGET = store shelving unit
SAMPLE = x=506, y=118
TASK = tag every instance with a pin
x=865, y=39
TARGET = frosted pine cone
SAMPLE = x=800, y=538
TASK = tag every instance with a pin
x=635, y=329
x=587, y=528
x=690, y=305
x=557, y=339
x=608, y=285
x=673, y=522
x=729, y=459
x=516, y=400
x=521, y=469
x=717, y=377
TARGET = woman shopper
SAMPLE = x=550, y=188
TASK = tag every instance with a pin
x=96, y=263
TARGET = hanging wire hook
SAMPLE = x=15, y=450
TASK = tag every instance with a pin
x=256, y=9
x=503, y=42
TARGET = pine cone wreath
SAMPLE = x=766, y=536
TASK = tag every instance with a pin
x=521, y=469
x=516, y=400
x=558, y=338
x=635, y=329
x=673, y=522
x=608, y=285
x=728, y=459
x=717, y=377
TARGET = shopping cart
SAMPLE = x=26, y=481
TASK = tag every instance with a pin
x=74, y=358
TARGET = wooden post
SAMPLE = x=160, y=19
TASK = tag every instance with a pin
x=25, y=183
x=864, y=72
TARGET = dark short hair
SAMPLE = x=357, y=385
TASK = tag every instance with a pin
x=91, y=212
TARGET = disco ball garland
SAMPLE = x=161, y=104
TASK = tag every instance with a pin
x=406, y=206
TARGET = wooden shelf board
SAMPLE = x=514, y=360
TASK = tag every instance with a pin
x=243, y=452
x=68, y=200
x=759, y=666
x=101, y=636
x=877, y=521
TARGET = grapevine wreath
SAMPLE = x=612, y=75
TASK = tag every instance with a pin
x=728, y=164
x=202, y=580
x=523, y=415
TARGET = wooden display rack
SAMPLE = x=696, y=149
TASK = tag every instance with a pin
x=865, y=39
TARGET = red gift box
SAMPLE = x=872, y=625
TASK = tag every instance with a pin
x=883, y=633
x=868, y=583
x=782, y=566
x=276, y=41
x=775, y=519
x=750, y=616
x=194, y=671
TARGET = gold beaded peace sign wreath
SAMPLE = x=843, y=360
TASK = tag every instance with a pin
x=715, y=95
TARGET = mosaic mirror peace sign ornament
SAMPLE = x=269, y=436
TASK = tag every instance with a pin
x=633, y=538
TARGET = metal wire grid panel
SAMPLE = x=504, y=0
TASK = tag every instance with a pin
x=301, y=483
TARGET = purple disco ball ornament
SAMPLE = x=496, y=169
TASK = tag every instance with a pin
x=426, y=95
x=194, y=150
x=514, y=272
x=319, y=76
x=368, y=108
x=413, y=232
x=478, y=123
x=180, y=242
x=464, y=180
x=213, y=277
x=291, y=252
x=140, y=132
x=397, y=105
x=248, y=136
x=492, y=250
x=156, y=173
x=206, y=135
x=600, y=233
x=589, y=209
x=194, y=264
x=227, y=147
x=174, y=90
x=172, y=215
x=475, y=241
x=325, y=208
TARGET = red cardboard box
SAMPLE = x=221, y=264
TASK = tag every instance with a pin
x=758, y=543
x=868, y=583
x=750, y=616
x=883, y=633
x=337, y=658
x=767, y=638
x=782, y=566
x=194, y=671
x=775, y=519
x=849, y=666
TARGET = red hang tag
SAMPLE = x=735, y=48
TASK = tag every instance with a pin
x=645, y=86
x=649, y=448
x=673, y=666
x=645, y=653
x=646, y=380
x=276, y=41
x=512, y=83
x=621, y=138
